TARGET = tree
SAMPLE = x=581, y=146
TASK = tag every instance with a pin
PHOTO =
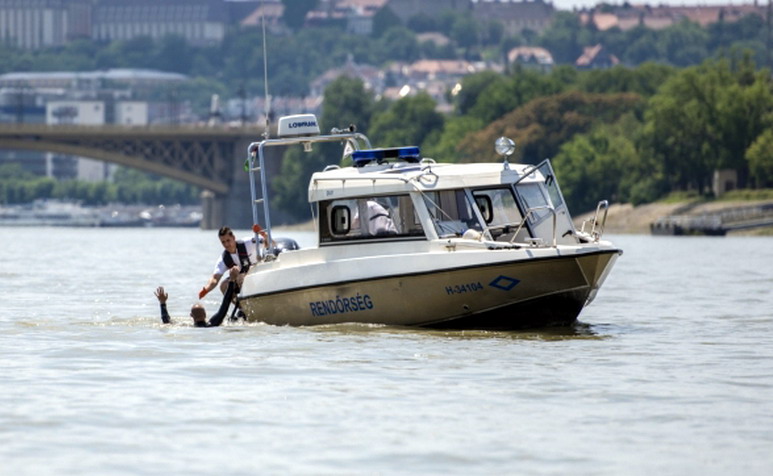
x=407, y=121
x=174, y=54
x=501, y=97
x=760, y=158
x=472, y=87
x=564, y=38
x=295, y=12
x=605, y=163
x=383, y=20
x=541, y=126
x=683, y=44
x=643, y=80
x=443, y=145
x=705, y=118
x=346, y=102
x=399, y=43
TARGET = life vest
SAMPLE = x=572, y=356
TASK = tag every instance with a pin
x=244, y=257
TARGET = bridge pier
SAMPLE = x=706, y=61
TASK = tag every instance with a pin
x=233, y=209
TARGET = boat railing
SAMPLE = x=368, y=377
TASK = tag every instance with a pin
x=529, y=212
x=372, y=179
x=597, y=229
x=255, y=151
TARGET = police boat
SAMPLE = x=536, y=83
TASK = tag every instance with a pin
x=407, y=241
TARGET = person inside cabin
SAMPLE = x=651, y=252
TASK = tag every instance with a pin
x=379, y=221
x=198, y=313
x=240, y=253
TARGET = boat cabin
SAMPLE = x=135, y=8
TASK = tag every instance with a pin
x=420, y=200
x=397, y=194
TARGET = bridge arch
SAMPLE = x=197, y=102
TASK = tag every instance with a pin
x=208, y=157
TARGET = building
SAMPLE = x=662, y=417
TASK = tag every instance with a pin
x=407, y=9
x=118, y=96
x=630, y=16
x=596, y=57
x=356, y=16
x=270, y=12
x=531, y=57
x=534, y=15
x=200, y=22
x=371, y=77
x=137, y=79
x=34, y=24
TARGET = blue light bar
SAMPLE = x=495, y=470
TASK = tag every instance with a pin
x=406, y=154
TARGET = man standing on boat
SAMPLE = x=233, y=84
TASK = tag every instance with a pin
x=198, y=313
x=239, y=253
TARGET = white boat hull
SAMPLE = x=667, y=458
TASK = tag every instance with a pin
x=507, y=290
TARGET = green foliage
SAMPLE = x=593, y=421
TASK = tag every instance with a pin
x=565, y=37
x=295, y=12
x=443, y=145
x=399, y=43
x=383, y=20
x=472, y=87
x=407, y=121
x=129, y=186
x=606, y=164
x=705, y=118
x=748, y=194
x=644, y=80
x=540, y=127
x=501, y=97
x=760, y=158
x=346, y=102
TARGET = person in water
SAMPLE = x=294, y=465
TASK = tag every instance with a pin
x=198, y=313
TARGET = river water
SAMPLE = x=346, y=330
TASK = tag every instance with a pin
x=671, y=372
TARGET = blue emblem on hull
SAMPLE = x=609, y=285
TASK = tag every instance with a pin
x=505, y=283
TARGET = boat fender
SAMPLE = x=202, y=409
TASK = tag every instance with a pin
x=471, y=234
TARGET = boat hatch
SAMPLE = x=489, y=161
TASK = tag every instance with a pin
x=405, y=154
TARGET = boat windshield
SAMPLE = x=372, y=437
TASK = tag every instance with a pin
x=499, y=210
x=386, y=217
x=451, y=212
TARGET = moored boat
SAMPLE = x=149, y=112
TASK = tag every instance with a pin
x=404, y=240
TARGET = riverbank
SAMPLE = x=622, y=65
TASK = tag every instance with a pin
x=624, y=218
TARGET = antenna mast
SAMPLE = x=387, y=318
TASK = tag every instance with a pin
x=267, y=101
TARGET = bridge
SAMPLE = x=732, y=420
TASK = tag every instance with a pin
x=209, y=157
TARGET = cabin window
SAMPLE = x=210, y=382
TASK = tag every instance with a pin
x=533, y=198
x=486, y=207
x=340, y=220
x=367, y=218
x=499, y=210
x=551, y=184
x=451, y=212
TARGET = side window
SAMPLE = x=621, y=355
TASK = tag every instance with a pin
x=533, y=198
x=340, y=220
x=451, y=212
x=500, y=211
x=500, y=207
x=365, y=218
x=485, y=207
x=551, y=184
